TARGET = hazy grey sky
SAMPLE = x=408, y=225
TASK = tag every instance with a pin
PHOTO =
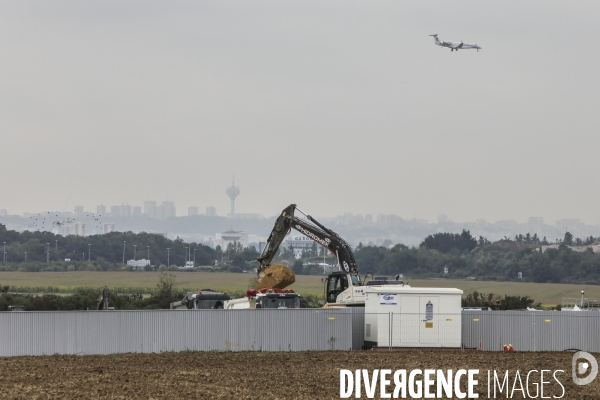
x=338, y=106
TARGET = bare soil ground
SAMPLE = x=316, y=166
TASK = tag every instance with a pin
x=252, y=375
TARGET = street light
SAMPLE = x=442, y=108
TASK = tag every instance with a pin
x=89, y=251
x=168, y=251
x=124, y=251
x=47, y=252
x=134, y=250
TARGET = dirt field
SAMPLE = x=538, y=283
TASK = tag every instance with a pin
x=252, y=375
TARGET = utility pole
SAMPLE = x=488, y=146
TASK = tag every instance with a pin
x=25, y=256
x=134, y=251
x=168, y=255
x=194, y=257
x=56, y=245
x=89, y=251
x=148, y=252
x=124, y=251
x=4, y=259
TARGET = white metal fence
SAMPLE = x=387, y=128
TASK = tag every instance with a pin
x=109, y=332
x=532, y=330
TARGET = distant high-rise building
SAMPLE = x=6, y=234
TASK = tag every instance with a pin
x=3, y=213
x=136, y=211
x=160, y=212
x=78, y=211
x=232, y=192
x=107, y=227
x=168, y=209
x=101, y=210
x=79, y=229
x=192, y=211
x=211, y=211
x=126, y=210
x=115, y=211
x=67, y=228
x=150, y=209
x=70, y=227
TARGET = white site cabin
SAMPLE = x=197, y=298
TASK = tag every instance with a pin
x=404, y=316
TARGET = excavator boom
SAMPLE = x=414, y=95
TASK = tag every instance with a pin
x=312, y=229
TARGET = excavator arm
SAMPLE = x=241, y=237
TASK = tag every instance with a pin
x=314, y=230
x=102, y=303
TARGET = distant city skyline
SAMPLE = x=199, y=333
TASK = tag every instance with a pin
x=381, y=229
x=152, y=209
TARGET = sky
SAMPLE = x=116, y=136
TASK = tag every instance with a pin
x=337, y=106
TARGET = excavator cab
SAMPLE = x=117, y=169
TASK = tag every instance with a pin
x=337, y=282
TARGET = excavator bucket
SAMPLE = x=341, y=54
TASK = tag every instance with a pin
x=277, y=276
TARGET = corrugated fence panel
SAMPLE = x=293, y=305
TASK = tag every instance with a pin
x=531, y=330
x=358, y=327
x=109, y=332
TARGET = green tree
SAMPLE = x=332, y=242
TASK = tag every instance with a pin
x=239, y=262
x=166, y=284
x=568, y=240
x=298, y=267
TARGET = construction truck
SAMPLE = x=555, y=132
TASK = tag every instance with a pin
x=267, y=298
x=343, y=288
x=204, y=299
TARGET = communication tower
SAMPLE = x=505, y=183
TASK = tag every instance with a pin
x=232, y=192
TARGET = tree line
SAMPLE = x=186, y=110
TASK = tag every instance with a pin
x=460, y=254
x=466, y=257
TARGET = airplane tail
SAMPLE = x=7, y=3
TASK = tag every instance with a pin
x=435, y=37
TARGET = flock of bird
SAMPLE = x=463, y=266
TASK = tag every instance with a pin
x=45, y=222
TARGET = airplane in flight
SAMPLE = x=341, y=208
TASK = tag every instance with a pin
x=455, y=45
